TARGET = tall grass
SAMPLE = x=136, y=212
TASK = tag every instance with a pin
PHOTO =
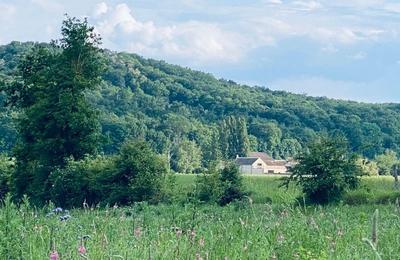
x=273, y=228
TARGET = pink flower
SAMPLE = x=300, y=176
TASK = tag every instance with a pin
x=82, y=250
x=201, y=242
x=137, y=232
x=192, y=234
x=54, y=255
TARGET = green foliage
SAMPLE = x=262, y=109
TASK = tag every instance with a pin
x=138, y=174
x=187, y=157
x=368, y=167
x=55, y=121
x=327, y=171
x=234, y=139
x=6, y=170
x=78, y=181
x=220, y=186
x=386, y=161
x=231, y=185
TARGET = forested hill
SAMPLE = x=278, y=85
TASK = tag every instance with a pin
x=179, y=111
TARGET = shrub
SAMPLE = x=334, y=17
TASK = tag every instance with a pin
x=231, y=184
x=222, y=187
x=138, y=175
x=327, y=171
x=77, y=182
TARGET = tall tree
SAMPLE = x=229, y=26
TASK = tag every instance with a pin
x=234, y=138
x=55, y=121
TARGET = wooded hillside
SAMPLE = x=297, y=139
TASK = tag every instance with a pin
x=180, y=111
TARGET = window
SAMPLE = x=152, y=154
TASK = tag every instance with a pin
x=259, y=164
x=270, y=171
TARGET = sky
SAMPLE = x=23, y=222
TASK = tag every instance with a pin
x=340, y=49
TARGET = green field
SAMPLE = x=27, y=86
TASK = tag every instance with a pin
x=274, y=226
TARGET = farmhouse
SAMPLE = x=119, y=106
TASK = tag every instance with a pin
x=261, y=163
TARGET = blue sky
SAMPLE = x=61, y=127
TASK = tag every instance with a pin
x=340, y=49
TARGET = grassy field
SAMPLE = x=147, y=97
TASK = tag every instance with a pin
x=273, y=227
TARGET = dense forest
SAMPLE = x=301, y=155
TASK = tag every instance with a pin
x=193, y=118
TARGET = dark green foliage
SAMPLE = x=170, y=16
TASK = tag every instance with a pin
x=220, y=186
x=231, y=184
x=55, y=121
x=138, y=174
x=327, y=171
x=78, y=181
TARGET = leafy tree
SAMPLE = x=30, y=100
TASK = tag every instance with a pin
x=386, y=162
x=187, y=157
x=55, y=122
x=234, y=138
x=368, y=167
x=327, y=171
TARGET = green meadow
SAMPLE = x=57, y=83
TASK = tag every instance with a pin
x=271, y=224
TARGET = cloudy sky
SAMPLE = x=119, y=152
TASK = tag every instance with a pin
x=340, y=49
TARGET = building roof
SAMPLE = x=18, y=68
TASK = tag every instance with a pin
x=263, y=156
x=276, y=162
x=246, y=160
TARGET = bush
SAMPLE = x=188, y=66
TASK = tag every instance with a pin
x=6, y=170
x=222, y=187
x=327, y=171
x=78, y=181
x=135, y=174
x=138, y=175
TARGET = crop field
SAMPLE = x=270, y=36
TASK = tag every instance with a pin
x=270, y=225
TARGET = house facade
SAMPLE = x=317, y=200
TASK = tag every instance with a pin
x=261, y=163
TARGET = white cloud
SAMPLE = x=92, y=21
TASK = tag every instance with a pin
x=274, y=2
x=359, y=55
x=329, y=49
x=307, y=5
x=392, y=7
x=7, y=11
x=100, y=9
x=198, y=41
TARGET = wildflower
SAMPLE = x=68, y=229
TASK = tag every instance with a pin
x=137, y=232
x=280, y=239
x=198, y=257
x=241, y=221
x=340, y=232
x=192, y=234
x=312, y=223
x=57, y=210
x=65, y=217
x=201, y=242
x=178, y=232
x=82, y=250
x=54, y=255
